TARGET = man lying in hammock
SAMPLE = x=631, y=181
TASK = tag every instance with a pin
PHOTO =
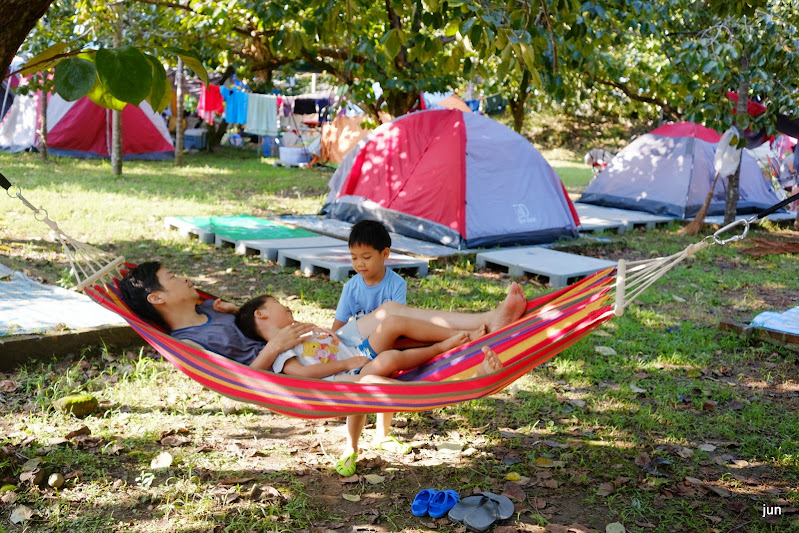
x=158, y=295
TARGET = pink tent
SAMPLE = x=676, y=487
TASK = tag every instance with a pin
x=83, y=129
x=453, y=177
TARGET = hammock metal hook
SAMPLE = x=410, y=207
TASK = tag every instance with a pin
x=741, y=222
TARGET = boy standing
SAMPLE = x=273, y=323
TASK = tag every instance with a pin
x=372, y=285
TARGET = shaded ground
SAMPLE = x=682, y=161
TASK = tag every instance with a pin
x=576, y=446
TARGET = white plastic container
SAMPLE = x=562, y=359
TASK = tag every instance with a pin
x=294, y=155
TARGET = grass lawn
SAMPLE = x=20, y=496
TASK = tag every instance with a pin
x=659, y=421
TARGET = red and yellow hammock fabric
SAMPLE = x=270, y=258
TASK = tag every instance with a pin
x=550, y=324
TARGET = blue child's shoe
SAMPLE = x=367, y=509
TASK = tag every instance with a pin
x=442, y=503
x=421, y=502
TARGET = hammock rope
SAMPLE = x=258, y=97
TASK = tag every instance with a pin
x=87, y=263
x=550, y=324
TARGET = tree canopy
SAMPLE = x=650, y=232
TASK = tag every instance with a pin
x=675, y=57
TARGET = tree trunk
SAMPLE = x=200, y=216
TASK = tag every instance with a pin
x=179, y=114
x=518, y=103
x=19, y=17
x=731, y=204
x=116, y=141
x=43, y=125
x=398, y=103
x=116, y=116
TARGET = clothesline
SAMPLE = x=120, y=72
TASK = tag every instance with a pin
x=259, y=113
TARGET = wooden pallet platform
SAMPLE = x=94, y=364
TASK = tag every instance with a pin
x=559, y=268
x=338, y=264
x=269, y=248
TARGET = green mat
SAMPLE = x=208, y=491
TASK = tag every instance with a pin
x=245, y=227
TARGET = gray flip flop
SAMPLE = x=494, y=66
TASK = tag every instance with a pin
x=492, y=507
x=506, y=507
x=464, y=507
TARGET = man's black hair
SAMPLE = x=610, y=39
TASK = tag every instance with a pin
x=245, y=317
x=134, y=288
x=370, y=233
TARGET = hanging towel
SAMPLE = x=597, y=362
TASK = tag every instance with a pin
x=261, y=115
x=235, y=105
x=210, y=103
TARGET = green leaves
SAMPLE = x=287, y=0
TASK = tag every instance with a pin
x=44, y=61
x=125, y=72
x=74, y=77
x=161, y=90
x=191, y=61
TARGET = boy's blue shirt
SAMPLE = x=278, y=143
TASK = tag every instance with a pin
x=358, y=299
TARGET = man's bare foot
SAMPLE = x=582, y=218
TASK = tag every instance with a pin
x=510, y=309
x=456, y=340
x=490, y=364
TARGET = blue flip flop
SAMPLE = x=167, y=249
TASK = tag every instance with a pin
x=442, y=503
x=421, y=502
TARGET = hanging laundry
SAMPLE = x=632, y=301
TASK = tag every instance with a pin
x=323, y=104
x=210, y=103
x=304, y=106
x=235, y=105
x=261, y=114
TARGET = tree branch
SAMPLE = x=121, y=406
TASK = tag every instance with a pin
x=173, y=5
x=638, y=98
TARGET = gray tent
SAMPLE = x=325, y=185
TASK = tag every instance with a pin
x=669, y=171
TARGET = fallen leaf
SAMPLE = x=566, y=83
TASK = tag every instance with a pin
x=636, y=389
x=577, y=402
x=162, y=460
x=352, y=479
x=175, y=440
x=645, y=524
x=604, y=350
x=706, y=447
x=113, y=448
x=449, y=447
x=8, y=385
x=546, y=462
x=714, y=519
x=643, y=460
x=31, y=464
x=21, y=514
x=606, y=489
x=78, y=432
x=513, y=476
x=514, y=491
x=351, y=497
x=549, y=484
x=694, y=481
x=374, y=479
x=682, y=451
x=719, y=491
x=615, y=527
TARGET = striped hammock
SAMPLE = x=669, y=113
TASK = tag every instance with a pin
x=550, y=324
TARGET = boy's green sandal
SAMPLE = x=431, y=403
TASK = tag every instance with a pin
x=394, y=445
x=346, y=465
